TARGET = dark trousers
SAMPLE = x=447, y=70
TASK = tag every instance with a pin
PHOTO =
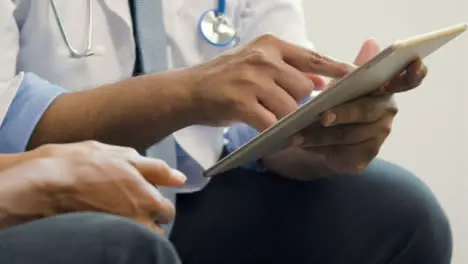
x=84, y=238
x=384, y=215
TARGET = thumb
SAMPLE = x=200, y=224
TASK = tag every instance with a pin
x=369, y=50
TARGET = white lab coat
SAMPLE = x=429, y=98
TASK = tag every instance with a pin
x=31, y=42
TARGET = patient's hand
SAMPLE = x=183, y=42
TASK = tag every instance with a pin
x=83, y=177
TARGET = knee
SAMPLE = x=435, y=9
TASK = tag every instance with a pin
x=385, y=208
x=403, y=194
x=414, y=210
x=122, y=240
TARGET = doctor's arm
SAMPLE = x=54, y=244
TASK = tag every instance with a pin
x=36, y=112
x=140, y=111
x=130, y=113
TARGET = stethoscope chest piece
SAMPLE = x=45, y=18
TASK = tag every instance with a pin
x=217, y=30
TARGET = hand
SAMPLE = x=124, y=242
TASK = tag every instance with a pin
x=88, y=176
x=259, y=83
x=351, y=135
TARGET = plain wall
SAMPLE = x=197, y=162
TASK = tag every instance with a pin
x=430, y=132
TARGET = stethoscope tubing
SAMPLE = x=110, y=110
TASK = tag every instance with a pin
x=221, y=8
x=219, y=12
x=74, y=53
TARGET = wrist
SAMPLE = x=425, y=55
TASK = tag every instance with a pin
x=204, y=106
x=22, y=198
x=178, y=102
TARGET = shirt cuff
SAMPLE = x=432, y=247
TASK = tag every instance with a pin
x=33, y=98
x=238, y=135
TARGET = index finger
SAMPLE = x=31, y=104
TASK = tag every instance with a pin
x=309, y=61
x=157, y=172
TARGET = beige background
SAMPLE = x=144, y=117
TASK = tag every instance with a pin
x=430, y=136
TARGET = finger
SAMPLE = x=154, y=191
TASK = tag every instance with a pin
x=355, y=157
x=339, y=135
x=155, y=205
x=144, y=199
x=318, y=81
x=153, y=170
x=332, y=83
x=412, y=74
x=308, y=61
x=410, y=78
x=369, y=50
x=363, y=110
x=294, y=82
x=351, y=158
x=150, y=224
x=157, y=172
x=277, y=100
x=258, y=117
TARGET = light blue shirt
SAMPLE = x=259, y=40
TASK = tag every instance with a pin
x=31, y=101
x=34, y=97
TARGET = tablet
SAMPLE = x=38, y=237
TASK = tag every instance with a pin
x=364, y=80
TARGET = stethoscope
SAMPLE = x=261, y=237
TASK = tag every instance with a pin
x=214, y=27
x=74, y=53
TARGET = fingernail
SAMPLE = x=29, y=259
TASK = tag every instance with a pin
x=178, y=175
x=163, y=219
x=361, y=166
x=313, y=94
x=319, y=87
x=350, y=67
x=297, y=140
x=332, y=82
x=166, y=214
x=416, y=80
x=423, y=72
x=330, y=118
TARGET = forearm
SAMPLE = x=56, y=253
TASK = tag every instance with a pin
x=136, y=112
